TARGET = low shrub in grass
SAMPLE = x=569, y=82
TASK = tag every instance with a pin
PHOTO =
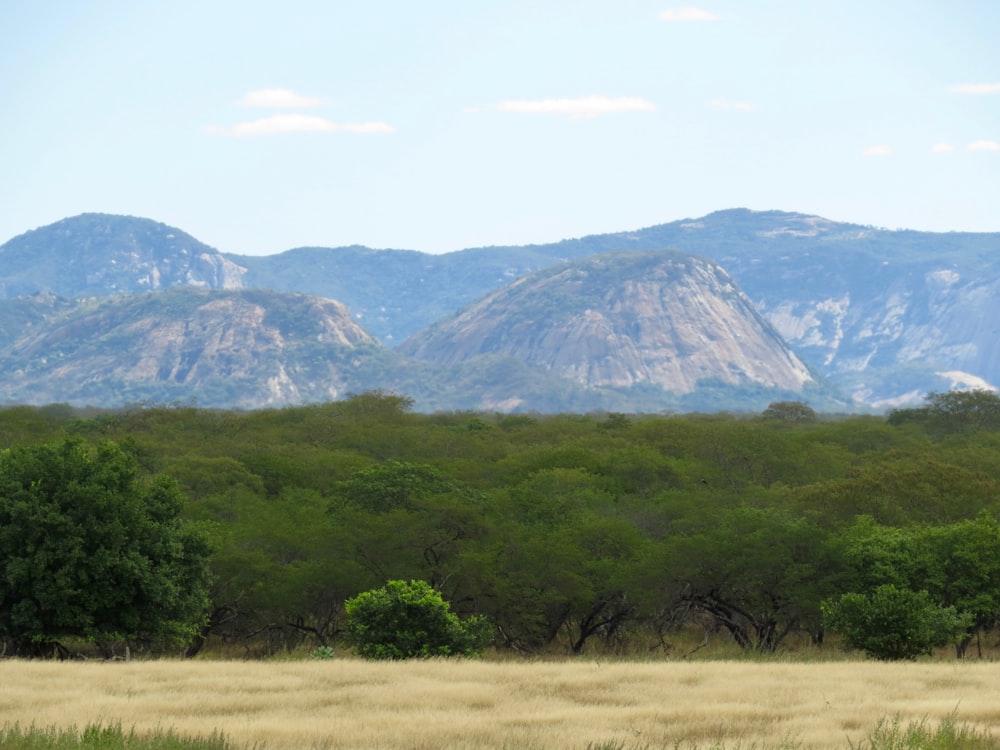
x=97, y=737
x=403, y=620
x=917, y=735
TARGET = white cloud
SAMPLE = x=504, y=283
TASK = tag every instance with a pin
x=976, y=88
x=738, y=106
x=274, y=98
x=296, y=123
x=984, y=146
x=879, y=150
x=688, y=14
x=942, y=148
x=586, y=106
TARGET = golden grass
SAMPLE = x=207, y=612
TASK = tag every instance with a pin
x=349, y=703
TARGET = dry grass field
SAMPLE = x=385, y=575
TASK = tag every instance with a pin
x=349, y=703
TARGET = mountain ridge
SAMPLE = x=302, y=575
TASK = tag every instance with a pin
x=886, y=315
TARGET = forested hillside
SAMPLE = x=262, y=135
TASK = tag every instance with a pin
x=574, y=533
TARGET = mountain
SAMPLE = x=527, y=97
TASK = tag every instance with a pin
x=261, y=348
x=100, y=254
x=223, y=348
x=884, y=315
x=622, y=319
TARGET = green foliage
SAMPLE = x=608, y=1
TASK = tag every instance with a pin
x=568, y=531
x=954, y=412
x=760, y=573
x=794, y=412
x=892, y=623
x=918, y=735
x=105, y=737
x=89, y=549
x=405, y=620
x=392, y=485
x=322, y=653
x=965, y=411
x=957, y=564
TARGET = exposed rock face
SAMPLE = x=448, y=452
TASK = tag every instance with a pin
x=885, y=316
x=100, y=254
x=622, y=319
x=263, y=347
x=938, y=324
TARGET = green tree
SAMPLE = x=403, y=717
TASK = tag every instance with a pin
x=559, y=558
x=790, y=411
x=91, y=550
x=958, y=565
x=965, y=411
x=892, y=623
x=963, y=571
x=760, y=573
x=404, y=620
x=391, y=485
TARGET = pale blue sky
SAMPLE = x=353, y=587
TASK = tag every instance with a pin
x=435, y=126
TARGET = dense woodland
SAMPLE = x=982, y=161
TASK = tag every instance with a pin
x=571, y=533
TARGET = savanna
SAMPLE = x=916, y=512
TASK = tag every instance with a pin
x=350, y=703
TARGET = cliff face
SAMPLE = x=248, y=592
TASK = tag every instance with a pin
x=936, y=331
x=622, y=319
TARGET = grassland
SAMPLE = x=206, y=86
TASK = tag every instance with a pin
x=349, y=703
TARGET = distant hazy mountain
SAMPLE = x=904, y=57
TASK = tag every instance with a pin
x=258, y=348
x=99, y=254
x=234, y=348
x=885, y=315
x=622, y=319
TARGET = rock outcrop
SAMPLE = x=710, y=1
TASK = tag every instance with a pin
x=622, y=319
x=247, y=349
x=102, y=254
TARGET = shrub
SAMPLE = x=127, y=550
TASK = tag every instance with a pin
x=894, y=623
x=404, y=620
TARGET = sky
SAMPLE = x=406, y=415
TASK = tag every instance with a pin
x=446, y=124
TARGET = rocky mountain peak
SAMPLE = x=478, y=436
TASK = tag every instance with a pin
x=101, y=254
x=623, y=319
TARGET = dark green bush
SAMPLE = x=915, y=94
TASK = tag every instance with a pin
x=894, y=623
x=405, y=620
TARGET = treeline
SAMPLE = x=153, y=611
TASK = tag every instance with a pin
x=568, y=530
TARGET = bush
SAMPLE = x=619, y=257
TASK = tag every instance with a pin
x=894, y=623
x=404, y=620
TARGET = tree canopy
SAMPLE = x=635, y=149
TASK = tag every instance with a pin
x=569, y=533
x=91, y=550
